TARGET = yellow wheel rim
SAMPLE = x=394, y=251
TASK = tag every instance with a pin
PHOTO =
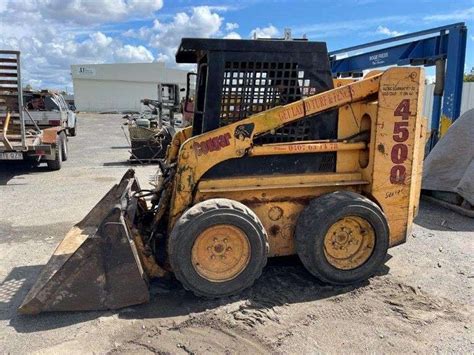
x=220, y=253
x=349, y=242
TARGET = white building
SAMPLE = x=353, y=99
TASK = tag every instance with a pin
x=120, y=87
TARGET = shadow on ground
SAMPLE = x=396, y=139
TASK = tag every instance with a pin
x=284, y=281
x=15, y=287
x=12, y=292
x=11, y=169
x=436, y=217
x=117, y=163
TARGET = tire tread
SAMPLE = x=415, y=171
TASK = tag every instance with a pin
x=323, y=206
x=195, y=212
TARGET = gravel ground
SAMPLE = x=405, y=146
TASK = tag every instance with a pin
x=421, y=301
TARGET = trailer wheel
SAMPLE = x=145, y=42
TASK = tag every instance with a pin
x=58, y=150
x=342, y=237
x=218, y=248
x=64, y=147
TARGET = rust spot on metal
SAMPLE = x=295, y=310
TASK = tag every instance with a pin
x=50, y=134
x=275, y=213
x=381, y=148
x=274, y=230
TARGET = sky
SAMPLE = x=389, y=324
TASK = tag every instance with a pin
x=53, y=34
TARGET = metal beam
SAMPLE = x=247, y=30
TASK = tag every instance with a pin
x=420, y=52
x=456, y=54
x=398, y=38
x=445, y=44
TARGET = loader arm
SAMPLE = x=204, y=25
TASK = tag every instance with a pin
x=198, y=154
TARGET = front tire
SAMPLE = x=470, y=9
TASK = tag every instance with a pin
x=218, y=248
x=73, y=131
x=342, y=237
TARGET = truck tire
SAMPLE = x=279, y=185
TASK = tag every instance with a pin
x=342, y=237
x=58, y=150
x=218, y=248
x=33, y=161
x=73, y=131
x=64, y=147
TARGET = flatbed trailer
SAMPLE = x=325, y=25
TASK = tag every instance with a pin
x=20, y=136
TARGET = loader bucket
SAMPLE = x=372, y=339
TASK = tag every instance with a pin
x=96, y=266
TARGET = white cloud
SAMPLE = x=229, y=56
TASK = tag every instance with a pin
x=166, y=36
x=51, y=41
x=232, y=35
x=231, y=26
x=53, y=34
x=458, y=15
x=430, y=79
x=100, y=39
x=324, y=30
x=46, y=57
x=266, y=32
x=96, y=11
x=162, y=58
x=132, y=54
x=386, y=31
x=3, y=5
x=224, y=8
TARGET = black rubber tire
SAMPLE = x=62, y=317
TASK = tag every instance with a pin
x=315, y=220
x=33, y=161
x=202, y=216
x=57, y=162
x=73, y=131
x=64, y=147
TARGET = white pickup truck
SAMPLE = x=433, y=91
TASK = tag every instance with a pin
x=49, y=109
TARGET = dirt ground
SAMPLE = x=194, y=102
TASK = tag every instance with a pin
x=421, y=301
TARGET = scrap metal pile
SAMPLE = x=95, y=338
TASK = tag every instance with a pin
x=150, y=132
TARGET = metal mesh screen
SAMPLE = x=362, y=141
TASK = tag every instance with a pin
x=250, y=87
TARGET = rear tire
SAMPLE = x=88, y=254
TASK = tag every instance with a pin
x=58, y=150
x=218, y=248
x=342, y=237
x=64, y=147
x=33, y=161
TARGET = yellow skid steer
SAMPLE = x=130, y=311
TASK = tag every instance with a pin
x=281, y=159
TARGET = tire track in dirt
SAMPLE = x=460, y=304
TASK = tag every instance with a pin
x=289, y=310
x=383, y=305
x=199, y=334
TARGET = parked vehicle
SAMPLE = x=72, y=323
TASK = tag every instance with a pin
x=49, y=109
x=36, y=136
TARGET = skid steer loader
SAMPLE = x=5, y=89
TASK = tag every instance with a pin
x=281, y=159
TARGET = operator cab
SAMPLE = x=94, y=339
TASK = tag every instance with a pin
x=238, y=78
